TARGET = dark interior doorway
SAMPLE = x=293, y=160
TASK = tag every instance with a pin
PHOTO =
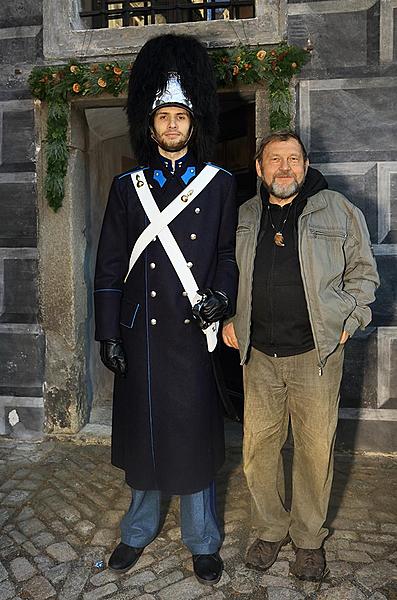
x=236, y=145
x=235, y=151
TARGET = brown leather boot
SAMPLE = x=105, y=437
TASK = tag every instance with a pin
x=262, y=554
x=309, y=564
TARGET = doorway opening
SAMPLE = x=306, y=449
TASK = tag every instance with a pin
x=109, y=153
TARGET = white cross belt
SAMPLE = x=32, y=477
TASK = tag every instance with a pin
x=158, y=226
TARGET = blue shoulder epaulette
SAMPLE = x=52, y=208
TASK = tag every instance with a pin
x=131, y=172
x=218, y=167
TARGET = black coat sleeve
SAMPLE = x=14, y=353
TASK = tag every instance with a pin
x=226, y=276
x=111, y=265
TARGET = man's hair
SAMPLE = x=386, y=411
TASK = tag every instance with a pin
x=279, y=136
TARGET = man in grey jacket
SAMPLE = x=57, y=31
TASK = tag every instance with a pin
x=307, y=276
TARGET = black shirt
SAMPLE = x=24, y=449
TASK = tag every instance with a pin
x=280, y=320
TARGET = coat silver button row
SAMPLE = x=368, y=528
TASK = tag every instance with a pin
x=153, y=293
x=154, y=321
x=152, y=265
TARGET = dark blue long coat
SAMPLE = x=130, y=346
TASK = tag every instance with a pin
x=167, y=423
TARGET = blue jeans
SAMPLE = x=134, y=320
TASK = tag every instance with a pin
x=199, y=525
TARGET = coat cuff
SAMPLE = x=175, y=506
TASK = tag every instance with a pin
x=107, y=314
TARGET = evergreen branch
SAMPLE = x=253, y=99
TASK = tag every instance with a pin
x=57, y=85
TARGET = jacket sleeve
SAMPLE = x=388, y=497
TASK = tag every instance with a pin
x=226, y=275
x=361, y=276
x=111, y=266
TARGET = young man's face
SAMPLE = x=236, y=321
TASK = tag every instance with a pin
x=283, y=168
x=171, y=127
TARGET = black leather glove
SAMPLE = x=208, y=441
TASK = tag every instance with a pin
x=113, y=356
x=213, y=307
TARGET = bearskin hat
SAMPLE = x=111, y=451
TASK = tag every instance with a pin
x=159, y=57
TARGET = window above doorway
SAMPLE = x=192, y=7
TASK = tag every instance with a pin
x=98, y=14
x=93, y=29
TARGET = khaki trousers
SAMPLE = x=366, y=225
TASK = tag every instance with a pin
x=278, y=390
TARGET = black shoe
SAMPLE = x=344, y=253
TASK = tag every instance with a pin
x=207, y=568
x=124, y=557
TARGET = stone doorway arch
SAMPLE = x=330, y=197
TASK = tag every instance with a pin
x=77, y=388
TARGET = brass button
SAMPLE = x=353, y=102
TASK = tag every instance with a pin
x=152, y=265
x=185, y=197
x=153, y=321
x=139, y=183
x=153, y=294
x=193, y=236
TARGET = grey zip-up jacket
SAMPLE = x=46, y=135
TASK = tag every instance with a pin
x=337, y=265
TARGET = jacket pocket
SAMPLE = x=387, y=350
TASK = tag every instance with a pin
x=243, y=229
x=128, y=313
x=328, y=233
x=346, y=297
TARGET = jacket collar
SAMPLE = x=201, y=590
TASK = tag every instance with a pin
x=253, y=207
x=186, y=168
x=179, y=164
x=316, y=202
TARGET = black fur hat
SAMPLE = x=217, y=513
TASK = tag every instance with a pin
x=186, y=56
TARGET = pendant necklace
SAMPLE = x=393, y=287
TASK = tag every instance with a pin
x=278, y=236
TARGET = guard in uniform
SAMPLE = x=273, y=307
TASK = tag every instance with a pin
x=165, y=276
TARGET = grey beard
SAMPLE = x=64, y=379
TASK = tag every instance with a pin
x=283, y=192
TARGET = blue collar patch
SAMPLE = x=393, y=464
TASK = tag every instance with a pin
x=188, y=175
x=159, y=177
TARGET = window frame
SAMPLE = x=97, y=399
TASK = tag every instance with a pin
x=70, y=39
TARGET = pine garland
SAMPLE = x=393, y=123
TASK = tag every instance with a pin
x=276, y=67
x=57, y=85
x=57, y=152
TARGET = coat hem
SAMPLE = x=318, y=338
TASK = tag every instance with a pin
x=171, y=490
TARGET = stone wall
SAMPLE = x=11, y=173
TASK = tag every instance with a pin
x=346, y=114
x=21, y=336
x=347, y=117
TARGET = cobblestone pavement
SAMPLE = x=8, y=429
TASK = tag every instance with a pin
x=61, y=503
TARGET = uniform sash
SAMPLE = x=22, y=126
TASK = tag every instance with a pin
x=158, y=226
